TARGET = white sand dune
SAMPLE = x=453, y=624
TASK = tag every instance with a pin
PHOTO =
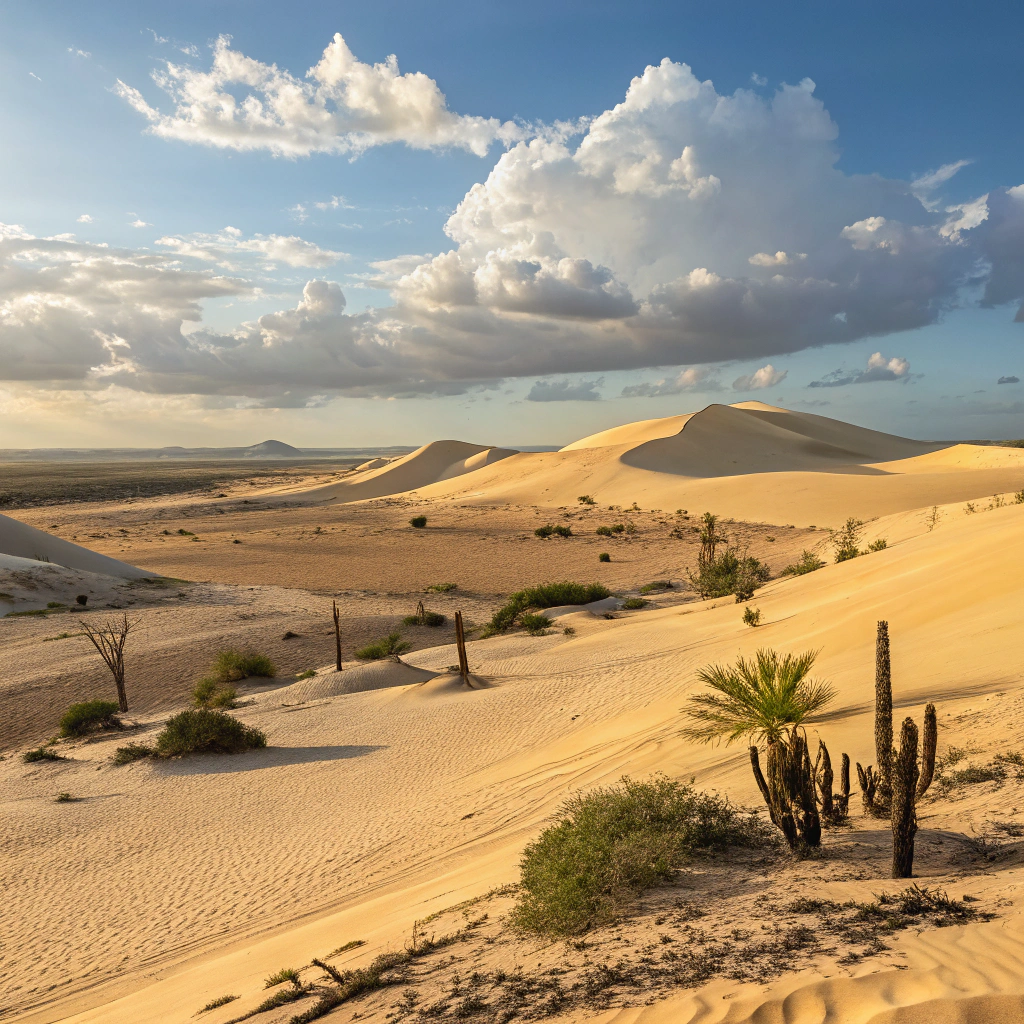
x=377, y=675
x=27, y=542
x=748, y=461
x=439, y=460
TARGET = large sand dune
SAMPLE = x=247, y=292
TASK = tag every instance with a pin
x=748, y=461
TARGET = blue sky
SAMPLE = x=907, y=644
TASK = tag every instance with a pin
x=520, y=261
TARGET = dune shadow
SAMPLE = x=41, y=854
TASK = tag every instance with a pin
x=256, y=760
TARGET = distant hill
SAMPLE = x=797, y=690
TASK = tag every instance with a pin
x=274, y=449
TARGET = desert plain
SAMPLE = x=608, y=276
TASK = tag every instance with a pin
x=391, y=806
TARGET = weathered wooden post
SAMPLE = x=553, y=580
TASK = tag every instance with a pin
x=337, y=637
x=460, y=640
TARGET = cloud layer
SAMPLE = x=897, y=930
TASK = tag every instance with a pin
x=682, y=228
x=878, y=369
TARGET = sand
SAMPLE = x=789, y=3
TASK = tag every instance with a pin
x=395, y=791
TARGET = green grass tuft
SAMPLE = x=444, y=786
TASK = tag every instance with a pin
x=656, y=586
x=281, y=976
x=42, y=754
x=389, y=646
x=213, y=693
x=534, y=624
x=214, y=1003
x=230, y=666
x=631, y=604
x=548, y=595
x=132, y=752
x=808, y=563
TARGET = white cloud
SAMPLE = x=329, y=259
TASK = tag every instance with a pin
x=85, y=219
x=140, y=223
x=694, y=378
x=924, y=185
x=224, y=246
x=878, y=369
x=766, y=377
x=341, y=106
x=32, y=74
x=759, y=80
x=565, y=391
x=780, y=259
x=335, y=203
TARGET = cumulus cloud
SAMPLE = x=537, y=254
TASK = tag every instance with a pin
x=878, y=369
x=1008, y=380
x=694, y=378
x=766, y=377
x=780, y=259
x=924, y=185
x=85, y=219
x=226, y=245
x=565, y=391
x=341, y=106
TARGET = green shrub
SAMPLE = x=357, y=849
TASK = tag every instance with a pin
x=42, y=754
x=604, y=531
x=586, y=499
x=427, y=619
x=132, y=752
x=548, y=595
x=632, y=603
x=214, y=1003
x=283, y=975
x=91, y=714
x=55, y=605
x=656, y=586
x=846, y=539
x=544, y=531
x=613, y=843
x=752, y=616
x=202, y=731
x=808, y=563
x=604, y=557
x=878, y=545
x=389, y=646
x=441, y=588
x=1018, y=497
x=65, y=798
x=562, y=531
x=186, y=533
x=533, y=623
x=212, y=693
x=230, y=666
x=418, y=522
x=728, y=573
x=308, y=674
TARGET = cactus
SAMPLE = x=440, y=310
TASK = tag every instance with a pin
x=823, y=776
x=904, y=805
x=868, y=782
x=841, y=800
x=883, y=716
x=929, y=741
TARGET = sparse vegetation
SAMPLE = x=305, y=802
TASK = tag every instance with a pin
x=586, y=499
x=424, y=617
x=631, y=604
x=230, y=666
x=933, y=518
x=534, y=623
x=611, y=531
x=42, y=754
x=212, y=693
x=89, y=715
x=418, y=522
x=110, y=640
x=1018, y=497
x=64, y=798
x=390, y=646
x=808, y=563
x=308, y=674
x=656, y=586
x=132, y=752
x=549, y=530
x=752, y=616
x=969, y=508
x=215, y=1003
x=281, y=976
x=846, y=539
x=604, y=557
x=202, y=731
x=613, y=843
x=441, y=588
x=548, y=595
x=878, y=545
x=729, y=573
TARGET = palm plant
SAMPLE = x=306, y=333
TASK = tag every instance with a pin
x=766, y=699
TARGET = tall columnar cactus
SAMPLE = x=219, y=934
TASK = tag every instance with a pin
x=824, y=777
x=929, y=741
x=883, y=717
x=841, y=800
x=904, y=802
x=868, y=782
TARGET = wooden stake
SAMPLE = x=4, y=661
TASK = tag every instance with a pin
x=337, y=636
x=421, y=614
x=460, y=640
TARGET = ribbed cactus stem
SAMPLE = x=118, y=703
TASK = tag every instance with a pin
x=904, y=804
x=842, y=798
x=824, y=777
x=883, y=715
x=867, y=781
x=929, y=741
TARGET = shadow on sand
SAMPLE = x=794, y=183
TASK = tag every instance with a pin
x=256, y=760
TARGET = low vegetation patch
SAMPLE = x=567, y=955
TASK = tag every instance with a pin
x=846, y=540
x=808, y=563
x=212, y=693
x=390, y=646
x=80, y=719
x=281, y=976
x=534, y=623
x=42, y=754
x=132, y=752
x=441, y=588
x=633, y=603
x=203, y=731
x=752, y=616
x=604, y=557
x=656, y=586
x=586, y=499
x=418, y=522
x=214, y=1003
x=611, y=531
x=613, y=843
x=548, y=595
x=552, y=531
x=729, y=573
x=230, y=666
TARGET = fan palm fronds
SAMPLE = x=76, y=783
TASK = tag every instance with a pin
x=761, y=698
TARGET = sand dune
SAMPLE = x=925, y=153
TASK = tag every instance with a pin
x=29, y=543
x=439, y=460
x=748, y=461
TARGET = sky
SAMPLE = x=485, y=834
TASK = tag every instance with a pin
x=350, y=225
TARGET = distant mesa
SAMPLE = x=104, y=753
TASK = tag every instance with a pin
x=277, y=448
